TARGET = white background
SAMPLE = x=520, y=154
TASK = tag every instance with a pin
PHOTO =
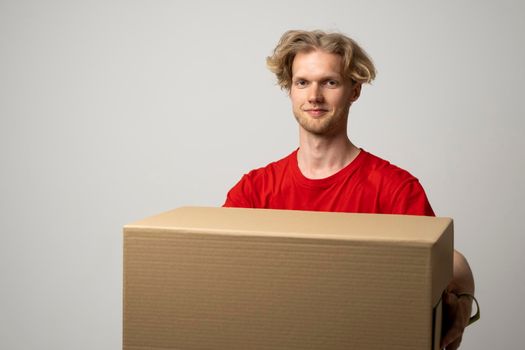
x=111, y=111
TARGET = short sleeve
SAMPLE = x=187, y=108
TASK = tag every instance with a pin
x=240, y=195
x=411, y=199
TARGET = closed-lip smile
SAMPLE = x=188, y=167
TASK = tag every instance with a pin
x=315, y=112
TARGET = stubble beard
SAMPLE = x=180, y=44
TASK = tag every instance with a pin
x=327, y=125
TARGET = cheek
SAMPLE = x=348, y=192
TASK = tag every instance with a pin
x=296, y=99
x=342, y=100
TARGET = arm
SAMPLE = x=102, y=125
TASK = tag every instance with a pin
x=457, y=310
x=457, y=306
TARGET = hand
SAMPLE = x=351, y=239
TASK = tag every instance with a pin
x=456, y=316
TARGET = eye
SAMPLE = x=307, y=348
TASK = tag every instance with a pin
x=301, y=83
x=331, y=83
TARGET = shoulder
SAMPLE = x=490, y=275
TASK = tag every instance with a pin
x=399, y=191
x=381, y=169
x=272, y=170
x=258, y=183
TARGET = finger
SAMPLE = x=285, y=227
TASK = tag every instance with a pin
x=454, y=345
x=450, y=298
x=451, y=337
x=451, y=331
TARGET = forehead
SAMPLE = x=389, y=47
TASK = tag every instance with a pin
x=316, y=63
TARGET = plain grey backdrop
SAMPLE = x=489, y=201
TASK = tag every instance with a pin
x=111, y=111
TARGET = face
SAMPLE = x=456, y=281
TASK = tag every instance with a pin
x=321, y=97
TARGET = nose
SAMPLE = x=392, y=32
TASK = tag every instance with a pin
x=315, y=94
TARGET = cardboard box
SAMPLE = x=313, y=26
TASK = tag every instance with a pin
x=225, y=278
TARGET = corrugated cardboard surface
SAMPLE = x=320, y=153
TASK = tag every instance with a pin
x=223, y=278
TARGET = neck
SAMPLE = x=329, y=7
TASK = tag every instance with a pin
x=319, y=157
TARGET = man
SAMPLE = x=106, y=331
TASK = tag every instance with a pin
x=323, y=74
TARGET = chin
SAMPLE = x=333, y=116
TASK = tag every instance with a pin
x=318, y=130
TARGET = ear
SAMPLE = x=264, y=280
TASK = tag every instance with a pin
x=356, y=92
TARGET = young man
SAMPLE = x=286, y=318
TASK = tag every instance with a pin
x=323, y=73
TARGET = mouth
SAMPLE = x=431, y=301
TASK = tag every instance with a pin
x=316, y=112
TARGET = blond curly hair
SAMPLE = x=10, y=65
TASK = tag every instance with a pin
x=357, y=65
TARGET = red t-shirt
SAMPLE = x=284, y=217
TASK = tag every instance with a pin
x=368, y=184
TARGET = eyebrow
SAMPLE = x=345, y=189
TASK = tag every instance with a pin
x=327, y=77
